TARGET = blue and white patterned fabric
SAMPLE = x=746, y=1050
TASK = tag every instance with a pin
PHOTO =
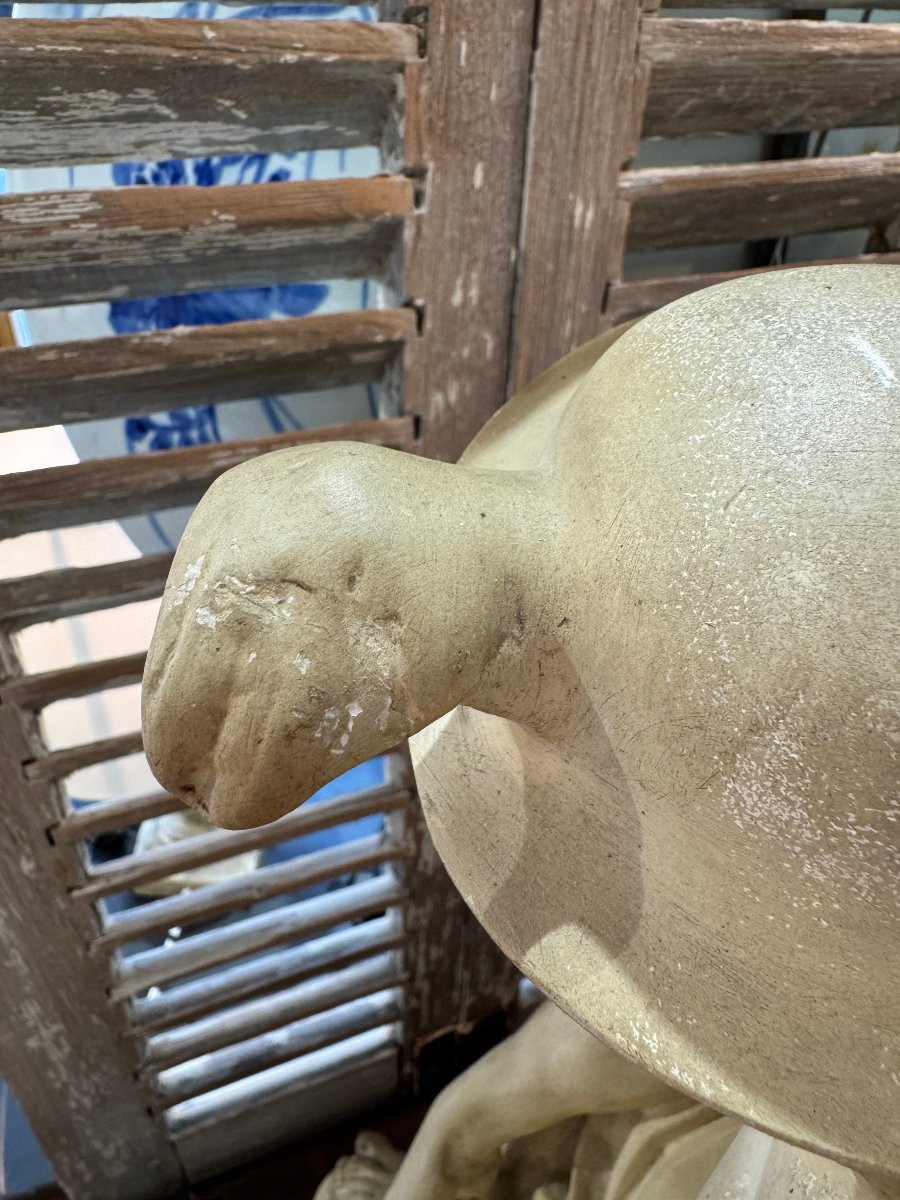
x=180, y=426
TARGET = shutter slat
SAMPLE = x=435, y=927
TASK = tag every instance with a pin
x=264, y=883
x=352, y=1014
x=71, y=591
x=735, y=76
x=289, y=965
x=147, y=372
x=59, y=763
x=68, y=247
x=107, y=89
x=220, y=844
x=112, y=488
x=291, y=923
x=634, y=299
x=107, y=815
x=232, y=1025
x=36, y=691
x=686, y=206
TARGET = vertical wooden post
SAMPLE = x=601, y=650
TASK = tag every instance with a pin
x=62, y=1044
x=466, y=115
x=461, y=136
x=587, y=105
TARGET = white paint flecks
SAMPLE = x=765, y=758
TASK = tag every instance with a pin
x=191, y=575
x=301, y=662
x=205, y=616
x=252, y=657
x=478, y=177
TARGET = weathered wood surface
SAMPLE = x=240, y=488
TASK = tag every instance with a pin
x=630, y=299
x=61, y=1043
x=219, y=844
x=684, y=206
x=573, y=233
x=269, y=973
x=73, y=381
x=57, y=764
x=291, y=923
x=457, y=975
x=734, y=76
x=106, y=89
x=278, y=879
x=354, y=1015
x=70, y=591
x=307, y=1096
x=65, y=247
x=236, y=1023
x=466, y=118
x=107, y=815
x=36, y=691
x=112, y=488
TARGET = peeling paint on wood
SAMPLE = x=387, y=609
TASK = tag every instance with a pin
x=67, y=247
x=124, y=88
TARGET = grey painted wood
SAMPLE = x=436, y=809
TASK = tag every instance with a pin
x=231, y=1026
x=285, y=1103
x=267, y=973
x=293, y=922
x=61, y=1043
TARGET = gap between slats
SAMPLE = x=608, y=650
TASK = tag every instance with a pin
x=74, y=246
x=66, y=382
x=290, y=923
x=112, y=488
x=107, y=89
x=689, y=206
x=745, y=76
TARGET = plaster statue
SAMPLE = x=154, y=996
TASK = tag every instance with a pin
x=644, y=636
x=637, y=1139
